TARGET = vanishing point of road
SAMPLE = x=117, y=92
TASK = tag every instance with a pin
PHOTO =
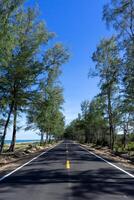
x=67, y=172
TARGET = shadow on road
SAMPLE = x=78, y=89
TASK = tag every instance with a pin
x=83, y=184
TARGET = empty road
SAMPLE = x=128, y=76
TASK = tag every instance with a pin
x=67, y=172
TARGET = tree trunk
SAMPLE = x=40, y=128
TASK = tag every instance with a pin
x=12, y=146
x=6, y=126
x=42, y=139
x=124, y=135
x=86, y=136
x=46, y=137
x=49, y=138
x=103, y=136
x=110, y=116
x=113, y=136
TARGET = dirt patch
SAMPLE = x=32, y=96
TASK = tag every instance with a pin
x=106, y=153
x=10, y=161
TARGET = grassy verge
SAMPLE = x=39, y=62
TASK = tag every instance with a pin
x=22, y=152
x=122, y=158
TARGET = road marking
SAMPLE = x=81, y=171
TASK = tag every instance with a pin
x=18, y=168
x=68, y=164
x=108, y=162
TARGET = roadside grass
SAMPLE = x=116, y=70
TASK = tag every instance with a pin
x=27, y=145
x=22, y=150
x=21, y=146
x=119, y=150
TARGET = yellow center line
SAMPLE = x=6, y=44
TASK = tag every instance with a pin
x=68, y=166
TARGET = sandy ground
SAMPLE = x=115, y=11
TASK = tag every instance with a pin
x=108, y=154
x=10, y=161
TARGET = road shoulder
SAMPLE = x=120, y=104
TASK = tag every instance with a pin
x=110, y=157
x=16, y=162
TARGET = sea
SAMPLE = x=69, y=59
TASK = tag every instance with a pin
x=21, y=141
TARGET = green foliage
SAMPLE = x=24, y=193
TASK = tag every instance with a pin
x=112, y=111
x=91, y=126
x=120, y=15
x=29, y=70
x=45, y=110
x=130, y=146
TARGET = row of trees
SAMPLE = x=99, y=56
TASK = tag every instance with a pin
x=29, y=72
x=112, y=110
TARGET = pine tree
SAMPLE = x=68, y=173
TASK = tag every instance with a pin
x=107, y=66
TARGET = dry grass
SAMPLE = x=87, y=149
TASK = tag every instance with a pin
x=106, y=153
x=23, y=153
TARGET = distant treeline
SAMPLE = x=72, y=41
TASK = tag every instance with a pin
x=111, y=111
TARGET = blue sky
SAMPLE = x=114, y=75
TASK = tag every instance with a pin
x=78, y=25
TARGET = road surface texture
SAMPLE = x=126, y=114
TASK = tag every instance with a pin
x=67, y=172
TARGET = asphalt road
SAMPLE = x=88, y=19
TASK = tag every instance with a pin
x=67, y=172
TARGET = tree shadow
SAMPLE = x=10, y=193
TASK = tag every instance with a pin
x=88, y=178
